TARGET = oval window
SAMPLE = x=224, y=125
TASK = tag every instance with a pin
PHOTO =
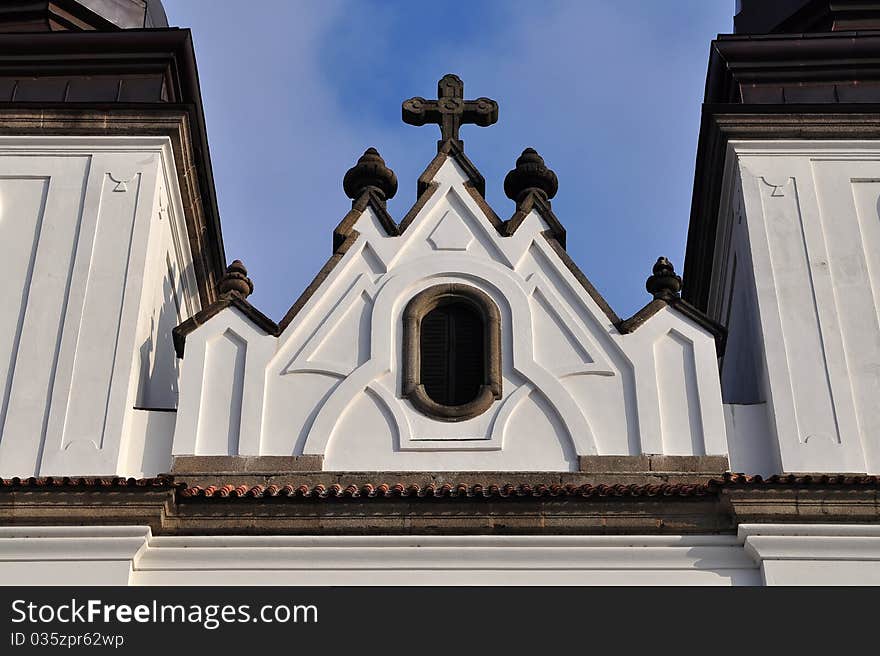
x=451, y=352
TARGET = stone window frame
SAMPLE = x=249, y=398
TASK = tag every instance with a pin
x=417, y=308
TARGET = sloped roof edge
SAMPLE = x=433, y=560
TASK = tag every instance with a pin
x=344, y=236
x=680, y=305
x=256, y=317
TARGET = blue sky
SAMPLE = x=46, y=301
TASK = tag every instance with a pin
x=608, y=91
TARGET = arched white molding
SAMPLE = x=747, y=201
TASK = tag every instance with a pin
x=565, y=406
x=508, y=407
x=336, y=404
x=504, y=287
x=395, y=409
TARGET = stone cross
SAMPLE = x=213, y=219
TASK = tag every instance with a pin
x=450, y=111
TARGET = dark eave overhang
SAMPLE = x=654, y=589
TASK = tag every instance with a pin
x=57, y=78
x=50, y=15
x=797, y=16
x=790, y=86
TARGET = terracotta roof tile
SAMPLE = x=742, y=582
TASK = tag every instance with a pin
x=83, y=481
x=730, y=480
x=401, y=490
x=386, y=490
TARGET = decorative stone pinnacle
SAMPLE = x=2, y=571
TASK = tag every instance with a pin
x=664, y=282
x=450, y=111
x=235, y=281
x=530, y=174
x=371, y=173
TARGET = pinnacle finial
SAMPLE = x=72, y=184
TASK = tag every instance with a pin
x=370, y=172
x=235, y=281
x=530, y=174
x=664, y=282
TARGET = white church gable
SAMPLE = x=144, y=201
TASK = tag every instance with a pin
x=331, y=383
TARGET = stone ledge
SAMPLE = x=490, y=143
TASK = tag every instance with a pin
x=648, y=463
x=245, y=464
x=484, y=478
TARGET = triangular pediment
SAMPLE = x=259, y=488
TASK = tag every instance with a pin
x=557, y=373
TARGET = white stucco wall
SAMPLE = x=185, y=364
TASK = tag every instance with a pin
x=797, y=280
x=98, y=268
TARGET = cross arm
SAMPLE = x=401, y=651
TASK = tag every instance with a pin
x=418, y=111
x=482, y=112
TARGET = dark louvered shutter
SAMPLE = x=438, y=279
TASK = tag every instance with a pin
x=435, y=354
x=451, y=352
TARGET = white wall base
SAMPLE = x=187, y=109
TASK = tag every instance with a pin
x=771, y=554
x=70, y=555
x=814, y=554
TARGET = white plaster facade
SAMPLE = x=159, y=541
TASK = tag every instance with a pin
x=98, y=273
x=330, y=384
x=797, y=281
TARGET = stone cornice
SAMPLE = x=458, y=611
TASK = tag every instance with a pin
x=535, y=503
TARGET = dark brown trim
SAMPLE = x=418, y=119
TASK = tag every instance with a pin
x=427, y=406
x=410, y=216
x=581, y=277
x=50, y=15
x=535, y=201
x=367, y=199
x=639, y=318
x=452, y=149
x=426, y=185
x=264, y=323
x=714, y=328
x=494, y=219
x=626, y=326
x=794, y=68
x=412, y=387
x=798, y=16
x=318, y=280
